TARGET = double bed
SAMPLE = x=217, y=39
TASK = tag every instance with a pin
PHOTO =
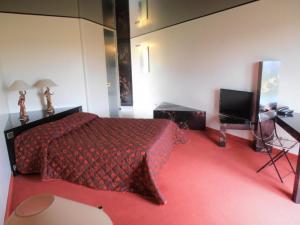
x=102, y=153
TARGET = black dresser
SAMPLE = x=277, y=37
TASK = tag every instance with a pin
x=15, y=127
x=185, y=117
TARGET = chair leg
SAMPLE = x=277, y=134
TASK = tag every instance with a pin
x=277, y=172
x=277, y=157
x=273, y=162
x=285, y=154
x=270, y=163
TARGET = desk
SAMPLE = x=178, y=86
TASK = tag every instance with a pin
x=292, y=126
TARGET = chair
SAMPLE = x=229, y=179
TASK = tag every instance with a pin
x=266, y=122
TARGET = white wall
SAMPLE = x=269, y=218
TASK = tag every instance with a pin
x=37, y=47
x=95, y=67
x=4, y=162
x=191, y=61
x=68, y=51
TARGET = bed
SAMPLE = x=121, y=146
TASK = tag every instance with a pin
x=102, y=153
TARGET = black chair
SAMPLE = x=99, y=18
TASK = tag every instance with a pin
x=266, y=122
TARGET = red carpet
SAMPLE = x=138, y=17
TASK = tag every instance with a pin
x=204, y=184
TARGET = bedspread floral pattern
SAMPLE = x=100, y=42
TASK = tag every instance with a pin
x=101, y=153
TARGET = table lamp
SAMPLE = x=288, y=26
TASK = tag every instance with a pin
x=47, y=209
x=47, y=83
x=21, y=86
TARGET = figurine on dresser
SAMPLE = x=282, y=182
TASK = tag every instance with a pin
x=47, y=83
x=48, y=94
x=23, y=114
x=21, y=86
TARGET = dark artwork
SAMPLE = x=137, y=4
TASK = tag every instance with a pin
x=124, y=54
x=184, y=117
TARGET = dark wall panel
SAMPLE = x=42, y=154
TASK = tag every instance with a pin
x=164, y=13
x=108, y=7
x=43, y=7
x=91, y=10
x=98, y=11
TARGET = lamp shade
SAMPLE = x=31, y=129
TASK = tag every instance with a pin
x=45, y=83
x=19, y=85
x=46, y=209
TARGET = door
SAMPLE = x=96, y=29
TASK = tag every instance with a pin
x=112, y=72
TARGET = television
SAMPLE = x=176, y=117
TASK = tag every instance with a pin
x=236, y=104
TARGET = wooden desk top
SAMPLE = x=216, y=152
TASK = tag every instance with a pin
x=291, y=124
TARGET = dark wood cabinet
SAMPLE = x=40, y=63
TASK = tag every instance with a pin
x=14, y=127
x=185, y=117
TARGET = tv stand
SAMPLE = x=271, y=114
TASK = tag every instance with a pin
x=231, y=123
x=185, y=117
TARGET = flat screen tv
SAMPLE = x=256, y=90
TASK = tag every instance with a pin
x=236, y=103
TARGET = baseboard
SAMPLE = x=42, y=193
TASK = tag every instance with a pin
x=228, y=136
x=9, y=198
x=240, y=139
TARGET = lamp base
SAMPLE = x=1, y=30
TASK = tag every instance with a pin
x=50, y=110
x=24, y=119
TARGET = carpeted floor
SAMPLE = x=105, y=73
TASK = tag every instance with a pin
x=204, y=184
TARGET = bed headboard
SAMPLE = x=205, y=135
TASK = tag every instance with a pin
x=36, y=118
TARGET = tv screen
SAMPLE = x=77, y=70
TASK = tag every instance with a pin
x=236, y=103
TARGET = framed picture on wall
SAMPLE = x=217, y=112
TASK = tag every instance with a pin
x=269, y=85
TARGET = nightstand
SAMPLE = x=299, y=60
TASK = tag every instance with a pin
x=14, y=127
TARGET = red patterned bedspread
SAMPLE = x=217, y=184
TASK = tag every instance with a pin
x=102, y=153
